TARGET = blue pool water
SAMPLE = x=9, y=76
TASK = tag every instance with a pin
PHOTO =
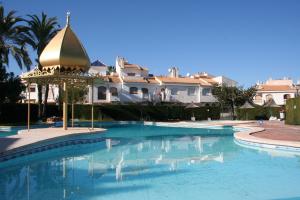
x=140, y=162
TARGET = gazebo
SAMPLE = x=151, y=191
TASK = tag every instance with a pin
x=192, y=106
x=64, y=62
x=247, y=105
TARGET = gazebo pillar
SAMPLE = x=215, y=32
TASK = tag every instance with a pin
x=28, y=107
x=72, y=106
x=65, y=107
x=92, y=104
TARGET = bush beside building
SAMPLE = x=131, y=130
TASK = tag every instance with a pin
x=258, y=113
x=293, y=111
x=17, y=113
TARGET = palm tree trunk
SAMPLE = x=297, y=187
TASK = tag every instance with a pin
x=45, y=101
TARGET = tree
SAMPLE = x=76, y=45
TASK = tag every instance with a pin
x=11, y=40
x=110, y=69
x=230, y=97
x=40, y=30
x=10, y=87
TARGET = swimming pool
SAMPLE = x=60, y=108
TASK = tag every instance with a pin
x=135, y=161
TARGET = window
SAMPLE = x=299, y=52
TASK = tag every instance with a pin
x=191, y=91
x=174, y=91
x=206, y=91
x=102, y=93
x=269, y=97
x=286, y=96
x=32, y=89
x=145, y=91
x=258, y=97
x=133, y=90
x=130, y=74
x=113, y=91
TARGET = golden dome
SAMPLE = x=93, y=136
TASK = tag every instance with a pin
x=65, y=52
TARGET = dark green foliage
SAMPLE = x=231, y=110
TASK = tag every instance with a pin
x=259, y=112
x=230, y=97
x=11, y=40
x=145, y=112
x=10, y=87
x=293, y=111
x=111, y=69
x=17, y=113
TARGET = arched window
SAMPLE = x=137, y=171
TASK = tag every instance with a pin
x=113, y=91
x=101, y=93
x=145, y=91
x=133, y=90
x=269, y=97
x=286, y=96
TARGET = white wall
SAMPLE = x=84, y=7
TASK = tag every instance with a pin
x=206, y=98
x=277, y=96
x=224, y=80
x=52, y=95
x=127, y=97
x=182, y=93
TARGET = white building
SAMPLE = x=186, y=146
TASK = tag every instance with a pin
x=132, y=83
x=279, y=90
x=52, y=95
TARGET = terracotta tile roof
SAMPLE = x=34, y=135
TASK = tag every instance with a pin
x=276, y=88
x=111, y=79
x=183, y=80
x=114, y=79
x=134, y=80
x=209, y=80
x=152, y=81
x=128, y=65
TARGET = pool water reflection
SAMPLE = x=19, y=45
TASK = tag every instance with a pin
x=148, y=162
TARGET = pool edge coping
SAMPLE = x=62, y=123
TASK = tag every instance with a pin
x=47, y=141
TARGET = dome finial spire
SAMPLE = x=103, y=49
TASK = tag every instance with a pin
x=68, y=18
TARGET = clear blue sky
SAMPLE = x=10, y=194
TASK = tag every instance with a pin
x=244, y=40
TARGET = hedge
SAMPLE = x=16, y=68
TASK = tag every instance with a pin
x=145, y=112
x=17, y=113
x=293, y=111
x=258, y=112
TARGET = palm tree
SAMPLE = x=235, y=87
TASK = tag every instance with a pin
x=11, y=43
x=40, y=32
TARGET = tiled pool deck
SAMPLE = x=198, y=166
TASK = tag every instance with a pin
x=44, y=138
x=270, y=133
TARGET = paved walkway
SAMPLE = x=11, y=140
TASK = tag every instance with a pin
x=277, y=130
x=25, y=138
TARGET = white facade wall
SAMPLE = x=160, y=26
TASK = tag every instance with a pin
x=277, y=96
x=226, y=81
x=206, y=98
x=109, y=98
x=52, y=95
x=180, y=93
x=153, y=90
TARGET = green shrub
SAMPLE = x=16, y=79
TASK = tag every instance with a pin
x=293, y=111
x=17, y=113
x=259, y=112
